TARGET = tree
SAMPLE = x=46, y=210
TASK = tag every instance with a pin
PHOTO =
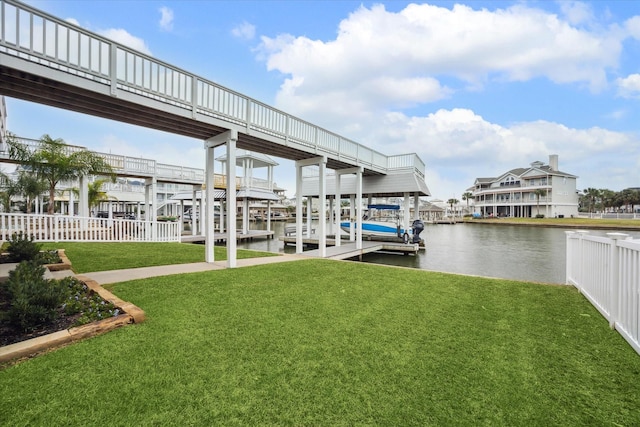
x=628, y=198
x=31, y=186
x=54, y=162
x=592, y=196
x=539, y=192
x=95, y=193
x=467, y=196
x=8, y=189
x=452, y=202
x=608, y=198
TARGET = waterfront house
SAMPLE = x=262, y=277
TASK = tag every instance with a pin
x=526, y=192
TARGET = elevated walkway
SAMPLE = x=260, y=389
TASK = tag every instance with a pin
x=99, y=80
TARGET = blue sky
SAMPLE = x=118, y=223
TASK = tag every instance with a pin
x=474, y=88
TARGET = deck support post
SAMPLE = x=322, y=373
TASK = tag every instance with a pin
x=352, y=215
x=322, y=209
x=229, y=138
x=338, y=211
x=359, y=205
x=309, y=212
x=299, y=248
x=407, y=212
x=320, y=161
x=194, y=212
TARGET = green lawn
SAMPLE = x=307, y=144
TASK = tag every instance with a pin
x=91, y=257
x=630, y=224
x=326, y=343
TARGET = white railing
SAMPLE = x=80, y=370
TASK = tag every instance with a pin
x=606, y=270
x=124, y=165
x=59, y=228
x=43, y=39
x=613, y=215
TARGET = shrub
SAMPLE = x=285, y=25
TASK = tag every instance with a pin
x=48, y=257
x=22, y=248
x=540, y=216
x=34, y=299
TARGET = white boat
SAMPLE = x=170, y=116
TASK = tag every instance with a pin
x=385, y=220
x=380, y=220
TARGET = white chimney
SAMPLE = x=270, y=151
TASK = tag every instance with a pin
x=553, y=162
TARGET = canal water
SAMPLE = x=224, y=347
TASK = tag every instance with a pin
x=509, y=252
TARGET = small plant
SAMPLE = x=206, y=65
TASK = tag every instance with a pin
x=540, y=216
x=22, y=248
x=34, y=299
x=48, y=257
x=81, y=300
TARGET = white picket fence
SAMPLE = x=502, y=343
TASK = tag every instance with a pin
x=606, y=270
x=60, y=228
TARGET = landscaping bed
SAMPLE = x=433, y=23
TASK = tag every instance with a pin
x=39, y=311
x=81, y=306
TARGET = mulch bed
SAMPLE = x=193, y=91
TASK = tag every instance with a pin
x=11, y=335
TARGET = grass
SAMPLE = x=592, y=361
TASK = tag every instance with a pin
x=320, y=343
x=91, y=257
x=566, y=222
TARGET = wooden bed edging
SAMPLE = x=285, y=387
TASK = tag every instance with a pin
x=28, y=348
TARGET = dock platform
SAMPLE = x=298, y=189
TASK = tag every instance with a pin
x=347, y=249
x=222, y=237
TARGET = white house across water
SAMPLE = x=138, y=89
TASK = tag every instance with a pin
x=526, y=192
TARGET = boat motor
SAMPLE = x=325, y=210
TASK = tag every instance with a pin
x=417, y=227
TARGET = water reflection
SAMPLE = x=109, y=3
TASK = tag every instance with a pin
x=510, y=252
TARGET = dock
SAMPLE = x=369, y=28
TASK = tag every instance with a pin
x=222, y=237
x=347, y=249
x=447, y=221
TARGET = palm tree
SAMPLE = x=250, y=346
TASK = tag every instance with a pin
x=95, y=193
x=628, y=198
x=32, y=186
x=539, y=192
x=452, y=202
x=54, y=163
x=467, y=195
x=608, y=198
x=8, y=189
x=592, y=195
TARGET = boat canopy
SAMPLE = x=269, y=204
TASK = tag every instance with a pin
x=387, y=207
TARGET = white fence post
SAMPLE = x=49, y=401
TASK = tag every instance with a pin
x=579, y=269
x=615, y=277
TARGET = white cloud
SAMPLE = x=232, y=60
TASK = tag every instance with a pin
x=428, y=43
x=244, y=31
x=632, y=26
x=576, y=12
x=123, y=37
x=629, y=87
x=166, y=18
x=617, y=114
x=73, y=21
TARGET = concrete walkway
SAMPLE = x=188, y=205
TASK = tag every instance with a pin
x=115, y=276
